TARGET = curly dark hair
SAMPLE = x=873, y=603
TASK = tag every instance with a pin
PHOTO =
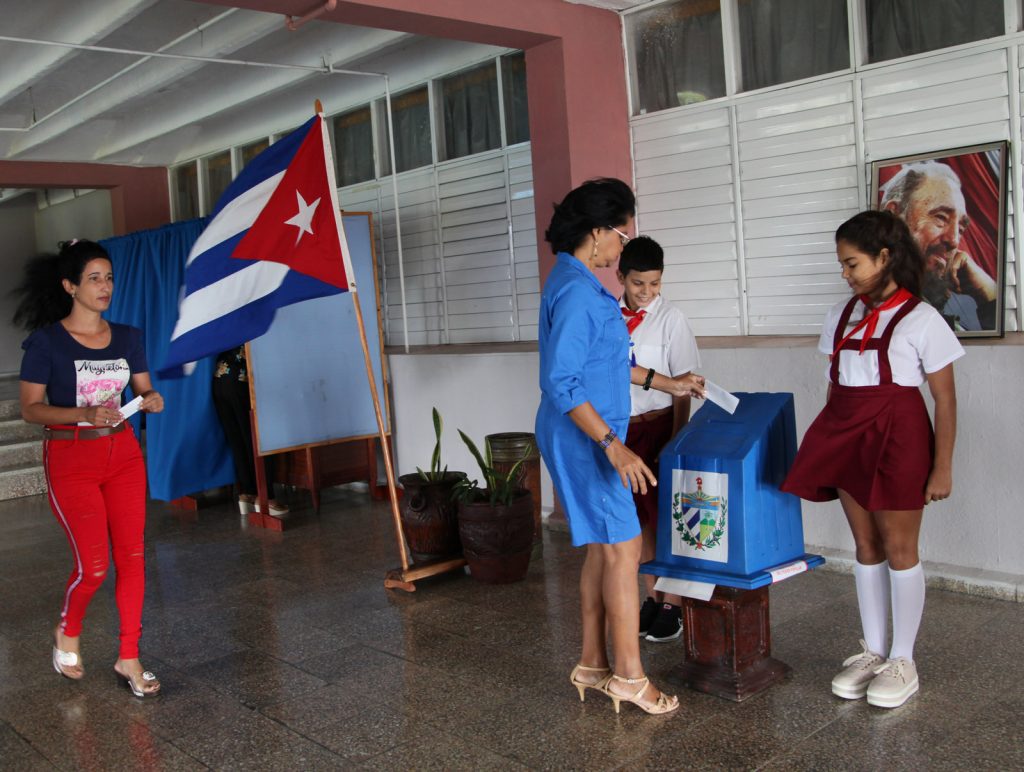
x=871, y=232
x=599, y=203
x=43, y=298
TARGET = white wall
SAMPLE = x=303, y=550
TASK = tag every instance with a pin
x=87, y=216
x=18, y=237
x=978, y=527
x=480, y=394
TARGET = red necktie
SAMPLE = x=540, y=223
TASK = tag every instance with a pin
x=633, y=318
x=870, y=320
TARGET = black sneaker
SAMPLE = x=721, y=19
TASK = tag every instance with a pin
x=648, y=612
x=668, y=625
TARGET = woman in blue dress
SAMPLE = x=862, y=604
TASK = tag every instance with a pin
x=581, y=422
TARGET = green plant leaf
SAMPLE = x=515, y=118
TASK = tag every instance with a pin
x=435, y=459
x=484, y=467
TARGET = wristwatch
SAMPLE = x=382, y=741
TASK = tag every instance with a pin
x=609, y=438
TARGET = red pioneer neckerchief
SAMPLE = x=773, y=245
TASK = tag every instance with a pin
x=870, y=320
x=633, y=318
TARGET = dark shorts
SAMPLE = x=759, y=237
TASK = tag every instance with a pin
x=646, y=439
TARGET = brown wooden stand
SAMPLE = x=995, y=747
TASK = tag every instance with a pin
x=403, y=578
x=729, y=643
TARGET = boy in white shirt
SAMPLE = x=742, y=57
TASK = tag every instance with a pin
x=662, y=342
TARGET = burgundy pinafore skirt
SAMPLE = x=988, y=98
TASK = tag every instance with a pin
x=874, y=442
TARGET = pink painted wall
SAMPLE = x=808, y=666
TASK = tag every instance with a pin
x=579, y=113
x=138, y=195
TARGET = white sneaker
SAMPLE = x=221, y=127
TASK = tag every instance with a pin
x=895, y=682
x=852, y=682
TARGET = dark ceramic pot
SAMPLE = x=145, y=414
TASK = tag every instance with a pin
x=429, y=517
x=497, y=540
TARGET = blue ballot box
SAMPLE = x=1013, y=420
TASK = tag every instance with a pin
x=721, y=516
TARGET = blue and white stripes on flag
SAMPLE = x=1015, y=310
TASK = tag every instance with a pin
x=275, y=238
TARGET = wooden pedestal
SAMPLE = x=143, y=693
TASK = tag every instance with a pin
x=323, y=466
x=728, y=644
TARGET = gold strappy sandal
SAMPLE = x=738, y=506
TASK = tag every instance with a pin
x=664, y=704
x=582, y=686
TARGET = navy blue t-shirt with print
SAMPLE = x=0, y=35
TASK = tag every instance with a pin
x=79, y=376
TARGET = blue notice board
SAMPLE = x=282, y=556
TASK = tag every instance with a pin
x=308, y=374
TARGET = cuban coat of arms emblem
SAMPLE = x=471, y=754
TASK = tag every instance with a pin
x=700, y=509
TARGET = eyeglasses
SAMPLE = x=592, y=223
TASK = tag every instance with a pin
x=622, y=236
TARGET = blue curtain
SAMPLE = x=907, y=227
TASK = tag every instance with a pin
x=185, y=447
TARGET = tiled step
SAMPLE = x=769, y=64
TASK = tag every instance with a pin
x=20, y=452
x=14, y=429
x=9, y=408
x=25, y=480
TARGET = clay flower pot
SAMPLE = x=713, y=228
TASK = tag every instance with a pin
x=497, y=539
x=429, y=517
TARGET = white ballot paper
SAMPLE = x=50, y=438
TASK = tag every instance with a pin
x=725, y=400
x=127, y=411
x=685, y=587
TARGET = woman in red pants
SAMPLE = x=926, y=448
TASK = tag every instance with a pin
x=75, y=367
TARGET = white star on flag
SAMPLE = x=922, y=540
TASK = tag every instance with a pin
x=304, y=218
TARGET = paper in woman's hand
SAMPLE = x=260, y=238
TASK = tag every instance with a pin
x=130, y=409
x=724, y=399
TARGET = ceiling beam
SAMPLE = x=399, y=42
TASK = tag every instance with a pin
x=83, y=21
x=149, y=76
x=182, y=110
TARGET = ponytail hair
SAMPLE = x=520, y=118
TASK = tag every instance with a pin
x=43, y=297
x=871, y=232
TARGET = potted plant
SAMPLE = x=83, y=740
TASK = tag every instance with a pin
x=495, y=520
x=429, y=513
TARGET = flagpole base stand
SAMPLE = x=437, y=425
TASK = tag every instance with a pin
x=403, y=579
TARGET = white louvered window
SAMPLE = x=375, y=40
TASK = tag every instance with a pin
x=676, y=54
x=745, y=193
x=468, y=261
x=746, y=197
x=786, y=40
x=353, y=139
x=411, y=117
x=218, y=177
x=904, y=27
x=469, y=254
x=185, y=191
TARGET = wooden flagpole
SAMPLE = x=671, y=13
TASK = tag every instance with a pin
x=398, y=578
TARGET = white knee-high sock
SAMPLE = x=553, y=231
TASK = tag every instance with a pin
x=907, y=608
x=873, y=599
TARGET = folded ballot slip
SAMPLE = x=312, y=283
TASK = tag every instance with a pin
x=725, y=400
x=127, y=411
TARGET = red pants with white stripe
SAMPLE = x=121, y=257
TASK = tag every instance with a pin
x=97, y=490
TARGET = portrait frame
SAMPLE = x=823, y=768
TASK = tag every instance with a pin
x=960, y=277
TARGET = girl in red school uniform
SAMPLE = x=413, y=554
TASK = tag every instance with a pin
x=75, y=367
x=872, y=446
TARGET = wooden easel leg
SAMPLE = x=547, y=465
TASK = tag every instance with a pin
x=313, y=475
x=260, y=519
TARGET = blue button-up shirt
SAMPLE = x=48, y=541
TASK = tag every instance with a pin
x=584, y=344
x=584, y=357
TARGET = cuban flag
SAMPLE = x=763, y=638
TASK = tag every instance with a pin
x=275, y=238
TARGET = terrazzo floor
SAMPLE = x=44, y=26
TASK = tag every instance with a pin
x=284, y=652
